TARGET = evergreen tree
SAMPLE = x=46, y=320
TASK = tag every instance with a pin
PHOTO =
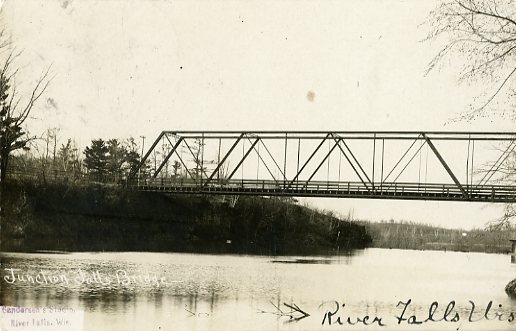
x=96, y=159
x=133, y=159
x=117, y=156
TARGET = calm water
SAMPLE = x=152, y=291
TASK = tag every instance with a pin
x=214, y=292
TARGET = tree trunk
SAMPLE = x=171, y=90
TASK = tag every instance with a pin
x=3, y=165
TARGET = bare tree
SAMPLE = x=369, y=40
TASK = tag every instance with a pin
x=197, y=151
x=482, y=34
x=14, y=111
x=505, y=221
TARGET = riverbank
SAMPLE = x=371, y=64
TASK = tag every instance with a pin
x=66, y=217
x=409, y=235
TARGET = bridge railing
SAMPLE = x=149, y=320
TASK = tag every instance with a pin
x=330, y=187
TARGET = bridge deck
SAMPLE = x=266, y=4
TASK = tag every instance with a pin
x=402, y=191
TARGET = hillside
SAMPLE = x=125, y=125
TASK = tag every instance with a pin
x=60, y=216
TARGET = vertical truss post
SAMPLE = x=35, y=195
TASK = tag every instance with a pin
x=383, y=155
x=328, y=167
x=374, y=156
x=419, y=168
x=202, y=157
x=257, y=150
x=218, y=161
x=298, y=152
x=285, y=163
x=472, y=163
x=467, y=165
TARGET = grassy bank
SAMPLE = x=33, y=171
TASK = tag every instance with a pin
x=107, y=218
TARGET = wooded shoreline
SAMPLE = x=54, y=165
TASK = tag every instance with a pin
x=99, y=217
x=64, y=216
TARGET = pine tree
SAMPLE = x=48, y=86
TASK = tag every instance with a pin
x=96, y=159
x=117, y=156
x=133, y=160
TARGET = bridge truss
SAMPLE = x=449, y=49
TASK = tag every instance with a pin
x=452, y=166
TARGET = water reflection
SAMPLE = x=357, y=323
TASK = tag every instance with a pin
x=210, y=291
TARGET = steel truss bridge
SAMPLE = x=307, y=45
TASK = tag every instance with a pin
x=449, y=166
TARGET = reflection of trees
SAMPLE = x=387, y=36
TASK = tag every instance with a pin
x=108, y=301
x=6, y=296
x=205, y=289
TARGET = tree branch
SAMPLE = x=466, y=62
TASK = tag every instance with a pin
x=479, y=12
x=498, y=90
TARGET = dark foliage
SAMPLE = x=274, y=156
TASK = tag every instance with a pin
x=103, y=218
x=96, y=159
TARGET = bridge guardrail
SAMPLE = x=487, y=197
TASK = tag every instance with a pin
x=330, y=187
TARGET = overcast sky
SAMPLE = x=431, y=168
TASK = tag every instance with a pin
x=133, y=68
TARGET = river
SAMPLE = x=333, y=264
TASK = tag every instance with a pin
x=176, y=291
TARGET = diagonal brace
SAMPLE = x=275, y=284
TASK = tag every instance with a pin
x=243, y=158
x=322, y=162
x=356, y=161
x=142, y=162
x=274, y=160
x=399, y=161
x=452, y=175
x=196, y=159
x=168, y=156
x=223, y=160
x=351, y=164
x=263, y=162
x=308, y=160
x=184, y=165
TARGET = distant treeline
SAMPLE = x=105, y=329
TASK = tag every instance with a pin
x=407, y=235
x=102, y=217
